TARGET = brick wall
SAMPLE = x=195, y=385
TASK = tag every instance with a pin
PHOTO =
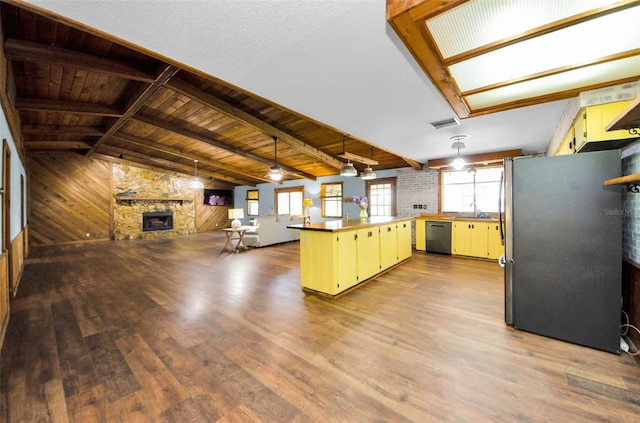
x=631, y=206
x=417, y=192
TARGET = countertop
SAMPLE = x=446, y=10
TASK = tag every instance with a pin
x=452, y=218
x=347, y=225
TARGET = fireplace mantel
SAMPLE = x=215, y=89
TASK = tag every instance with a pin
x=144, y=198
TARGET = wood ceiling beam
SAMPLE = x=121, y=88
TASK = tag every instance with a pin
x=62, y=130
x=137, y=157
x=207, y=99
x=136, y=102
x=131, y=139
x=141, y=164
x=60, y=106
x=495, y=157
x=358, y=159
x=40, y=53
x=159, y=123
x=57, y=145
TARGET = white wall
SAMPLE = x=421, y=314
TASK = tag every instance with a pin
x=17, y=169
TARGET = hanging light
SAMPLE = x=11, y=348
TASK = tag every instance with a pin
x=348, y=169
x=458, y=163
x=368, y=173
x=195, y=183
x=276, y=173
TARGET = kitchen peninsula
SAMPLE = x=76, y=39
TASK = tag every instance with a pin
x=339, y=256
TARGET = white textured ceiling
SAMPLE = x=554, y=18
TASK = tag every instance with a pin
x=336, y=61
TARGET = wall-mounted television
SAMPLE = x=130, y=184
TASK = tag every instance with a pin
x=218, y=197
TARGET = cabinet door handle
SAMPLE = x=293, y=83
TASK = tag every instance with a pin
x=388, y=229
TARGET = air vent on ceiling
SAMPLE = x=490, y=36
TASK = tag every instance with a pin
x=445, y=123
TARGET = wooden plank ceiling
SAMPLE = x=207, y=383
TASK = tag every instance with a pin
x=79, y=91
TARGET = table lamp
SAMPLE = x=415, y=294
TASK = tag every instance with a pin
x=236, y=214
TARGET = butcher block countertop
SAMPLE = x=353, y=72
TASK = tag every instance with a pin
x=348, y=225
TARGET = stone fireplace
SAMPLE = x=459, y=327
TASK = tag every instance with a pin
x=148, y=204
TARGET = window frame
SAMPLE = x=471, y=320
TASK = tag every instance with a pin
x=394, y=194
x=250, y=200
x=442, y=194
x=323, y=198
x=289, y=190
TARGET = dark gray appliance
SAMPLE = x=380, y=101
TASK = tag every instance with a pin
x=563, y=247
x=438, y=237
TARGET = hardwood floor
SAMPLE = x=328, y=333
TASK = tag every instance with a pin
x=172, y=330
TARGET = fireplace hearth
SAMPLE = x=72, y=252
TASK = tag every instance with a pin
x=157, y=221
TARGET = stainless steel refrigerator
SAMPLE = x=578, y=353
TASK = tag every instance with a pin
x=563, y=247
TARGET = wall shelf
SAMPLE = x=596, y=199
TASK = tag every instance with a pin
x=631, y=181
x=629, y=119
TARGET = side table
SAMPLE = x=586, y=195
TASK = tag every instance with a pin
x=239, y=245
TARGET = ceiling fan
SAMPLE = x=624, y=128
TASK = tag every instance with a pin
x=276, y=173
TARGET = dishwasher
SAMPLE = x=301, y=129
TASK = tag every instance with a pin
x=438, y=237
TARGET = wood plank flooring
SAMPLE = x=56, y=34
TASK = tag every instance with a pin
x=170, y=330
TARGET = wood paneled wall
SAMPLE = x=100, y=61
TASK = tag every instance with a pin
x=4, y=296
x=68, y=198
x=631, y=301
x=210, y=218
x=17, y=255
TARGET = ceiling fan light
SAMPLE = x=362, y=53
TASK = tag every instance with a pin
x=367, y=174
x=275, y=174
x=348, y=170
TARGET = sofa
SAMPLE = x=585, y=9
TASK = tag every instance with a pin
x=269, y=230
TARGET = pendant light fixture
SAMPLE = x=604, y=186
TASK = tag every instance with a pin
x=276, y=174
x=368, y=173
x=195, y=183
x=348, y=169
x=458, y=163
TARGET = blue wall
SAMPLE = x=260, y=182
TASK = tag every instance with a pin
x=352, y=186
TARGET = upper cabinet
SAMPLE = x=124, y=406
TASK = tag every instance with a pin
x=590, y=128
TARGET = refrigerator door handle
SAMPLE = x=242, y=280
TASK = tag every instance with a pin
x=502, y=261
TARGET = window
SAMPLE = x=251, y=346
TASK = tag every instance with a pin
x=382, y=197
x=289, y=200
x=331, y=199
x=253, y=208
x=459, y=188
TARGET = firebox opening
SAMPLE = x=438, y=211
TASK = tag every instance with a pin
x=157, y=221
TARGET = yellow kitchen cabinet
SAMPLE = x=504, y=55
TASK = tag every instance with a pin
x=567, y=145
x=404, y=240
x=327, y=261
x=338, y=255
x=388, y=246
x=495, y=248
x=319, y=261
x=590, y=126
x=347, y=246
x=368, y=246
x=469, y=238
x=421, y=235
